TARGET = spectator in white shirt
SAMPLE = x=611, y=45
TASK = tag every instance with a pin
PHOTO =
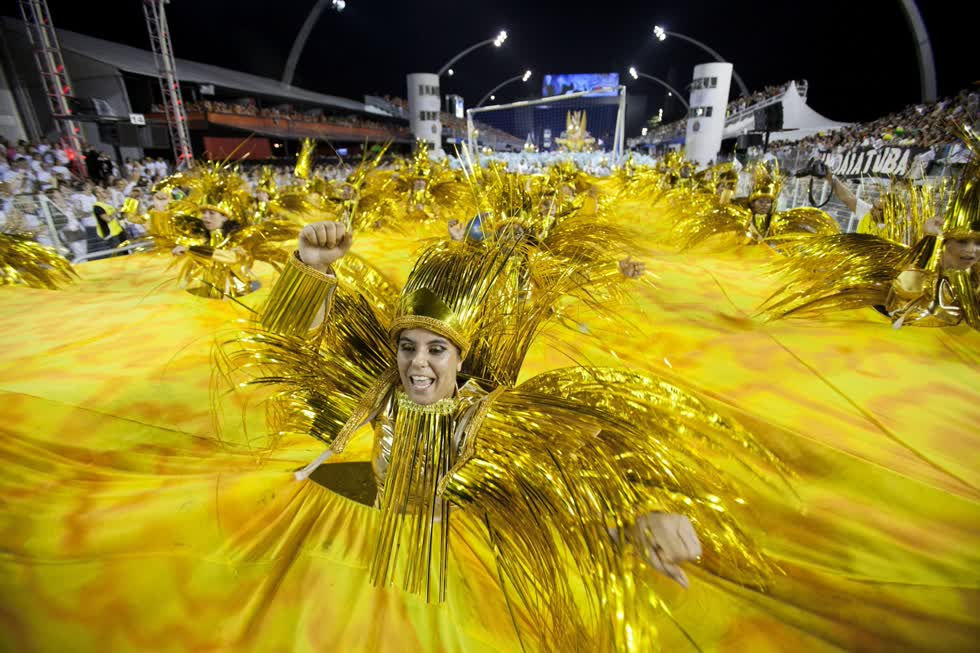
x=83, y=201
x=61, y=172
x=45, y=179
x=61, y=156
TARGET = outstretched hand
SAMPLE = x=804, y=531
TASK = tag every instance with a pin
x=323, y=243
x=669, y=540
x=631, y=269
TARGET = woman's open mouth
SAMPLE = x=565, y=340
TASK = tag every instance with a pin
x=421, y=383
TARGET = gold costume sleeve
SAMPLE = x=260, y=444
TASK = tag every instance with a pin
x=297, y=297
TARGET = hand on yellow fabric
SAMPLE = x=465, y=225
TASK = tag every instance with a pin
x=178, y=250
x=632, y=269
x=456, y=230
x=669, y=540
x=322, y=243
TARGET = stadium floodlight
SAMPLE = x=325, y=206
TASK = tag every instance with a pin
x=493, y=97
x=671, y=91
x=450, y=72
x=497, y=41
x=661, y=35
x=339, y=5
x=527, y=76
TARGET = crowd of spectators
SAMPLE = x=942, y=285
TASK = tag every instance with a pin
x=931, y=126
x=920, y=125
x=769, y=92
x=287, y=112
x=41, y=193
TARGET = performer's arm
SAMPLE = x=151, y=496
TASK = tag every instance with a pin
x=843, y=193
x=301, y=298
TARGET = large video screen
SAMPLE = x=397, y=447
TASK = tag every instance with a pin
x=562, y=84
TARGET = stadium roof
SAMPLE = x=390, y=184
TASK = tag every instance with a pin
x=141, y=62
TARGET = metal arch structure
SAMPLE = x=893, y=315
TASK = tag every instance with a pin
x=173, y=102
x=741, y=85
x=923, y=51
x=300, y=42
x=666, y=86
x=54, y=76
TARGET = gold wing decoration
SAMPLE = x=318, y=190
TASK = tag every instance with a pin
x=315, y=379
x=566, y=462
x=833, y=273
x=696, y=224
x=802, y=220
x=24, y=261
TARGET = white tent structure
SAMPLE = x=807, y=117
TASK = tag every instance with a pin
x=799, y=120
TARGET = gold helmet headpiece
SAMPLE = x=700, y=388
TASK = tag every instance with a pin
x=767, y=182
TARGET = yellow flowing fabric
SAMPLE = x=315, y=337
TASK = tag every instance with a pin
x=126, y=525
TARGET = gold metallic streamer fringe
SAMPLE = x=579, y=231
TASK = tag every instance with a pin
x=25, y=261
x=413, y=541
x=966, y=284
x=568, y=460
x=297, y=297
x=833, y=273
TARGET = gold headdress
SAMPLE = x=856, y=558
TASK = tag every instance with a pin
x=451, y=291
x=767, y=181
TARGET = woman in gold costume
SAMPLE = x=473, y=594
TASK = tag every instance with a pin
x=754, y=220
x=926, y=274
x=535, y=462
x=215, y=233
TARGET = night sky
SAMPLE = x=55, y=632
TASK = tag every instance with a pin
x=858, y=55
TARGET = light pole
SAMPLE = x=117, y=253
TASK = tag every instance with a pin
x=637, y=74
x=526, y=76
x=497, y=41
x=661, y=35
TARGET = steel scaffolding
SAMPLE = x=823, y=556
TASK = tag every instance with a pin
x=173, y=103
x=54, y=76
